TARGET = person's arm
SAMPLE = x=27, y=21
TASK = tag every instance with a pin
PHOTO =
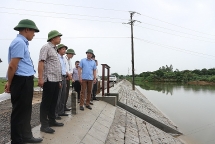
x=16, y=51
x=94, y=74
x=42, y=59
x=79, y=74
x=10, y=72
x=40, y=73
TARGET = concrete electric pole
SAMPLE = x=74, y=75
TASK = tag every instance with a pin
x=132, y=44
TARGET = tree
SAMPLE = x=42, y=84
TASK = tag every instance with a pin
x=116, y=74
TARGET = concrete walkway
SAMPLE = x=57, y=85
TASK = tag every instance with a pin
x=87, y=127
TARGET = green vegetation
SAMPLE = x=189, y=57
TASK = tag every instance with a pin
x=3, y=82
x=166, y=74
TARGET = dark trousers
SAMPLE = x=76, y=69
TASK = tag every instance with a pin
x=21, y=98
x=67, y=92
x=77, y=86
x=61, y=98
x=94, y=91
x=49, y=102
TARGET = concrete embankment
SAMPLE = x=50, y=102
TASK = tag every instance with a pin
x=136, y=100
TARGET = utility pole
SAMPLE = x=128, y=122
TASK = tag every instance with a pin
x=132, y=44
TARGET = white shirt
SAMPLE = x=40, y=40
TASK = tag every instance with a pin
x=68, y=65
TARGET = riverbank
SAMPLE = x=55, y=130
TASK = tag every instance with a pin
x=200, y=83
x=139, y=81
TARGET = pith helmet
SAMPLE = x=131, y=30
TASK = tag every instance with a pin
x=26, y=23
x=89, y=51
x=53, y=34
x=61, y=45
x=70, y=51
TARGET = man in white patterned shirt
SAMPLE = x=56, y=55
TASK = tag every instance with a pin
x=69, y=55
x=50, y=76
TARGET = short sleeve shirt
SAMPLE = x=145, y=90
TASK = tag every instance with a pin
x=52, y=67
x=88, y=66
x=19, y=49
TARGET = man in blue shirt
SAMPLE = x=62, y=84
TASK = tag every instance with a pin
x=87, y=76
x=20, y=83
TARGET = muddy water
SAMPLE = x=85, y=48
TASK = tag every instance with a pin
x=191, y=108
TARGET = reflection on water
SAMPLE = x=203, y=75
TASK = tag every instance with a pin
x=190, y=107
x=167, y=88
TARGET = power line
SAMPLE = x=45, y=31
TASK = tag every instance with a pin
x=60, y=17
x=63, y=13
x=177, y=35
x=175, y=30
x=118, y=19
x=176, y=48
x=121, y=11
x=177, y=25
x=79, y=38
x=74, y=6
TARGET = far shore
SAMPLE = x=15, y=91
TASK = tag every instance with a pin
x=200, y=83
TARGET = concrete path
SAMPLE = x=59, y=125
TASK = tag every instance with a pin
x=87, y=127
x=4, y=96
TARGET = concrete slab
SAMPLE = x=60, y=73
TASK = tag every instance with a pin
x=109, y=99
x=87, y=127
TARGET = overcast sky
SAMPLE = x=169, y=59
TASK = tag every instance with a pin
x=188, y=26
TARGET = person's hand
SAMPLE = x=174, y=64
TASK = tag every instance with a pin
x=68, y=78
x=60, y=85
x=40, y=82
x=7, y=88
x=80, y=80
x=94, y=81
x=73, y=80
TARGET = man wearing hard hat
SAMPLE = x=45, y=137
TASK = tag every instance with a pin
x=20, y=83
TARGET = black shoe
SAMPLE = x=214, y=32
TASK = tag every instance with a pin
x=63, y=114
x=58, y=118
x=57, y=124
x=47, y=130
x=91, y=102
x=67, y=109
x=89, y=107
x=82, y=108
x=96, y=99
x=32, y=140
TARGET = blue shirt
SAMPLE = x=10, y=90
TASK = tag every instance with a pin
x=63, y=64
x=88, y=66
x=19, y=49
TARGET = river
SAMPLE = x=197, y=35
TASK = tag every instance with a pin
x=191, y=108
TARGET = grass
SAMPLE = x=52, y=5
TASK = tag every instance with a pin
x=2, y=84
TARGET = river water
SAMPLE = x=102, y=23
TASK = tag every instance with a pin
x=191, y=108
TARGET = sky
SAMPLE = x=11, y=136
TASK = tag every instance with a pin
x=179, y=32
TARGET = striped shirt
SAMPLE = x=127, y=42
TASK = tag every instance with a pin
x=52, y=67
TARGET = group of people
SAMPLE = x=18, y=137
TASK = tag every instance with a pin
x=55, y=73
